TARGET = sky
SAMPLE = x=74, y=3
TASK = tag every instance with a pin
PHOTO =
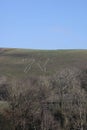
x=43, y=24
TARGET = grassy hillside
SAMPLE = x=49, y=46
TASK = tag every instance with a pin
x=21, y=63
x=41, y=89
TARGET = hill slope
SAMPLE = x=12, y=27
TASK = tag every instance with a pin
x=21, y=63
x=26, y=91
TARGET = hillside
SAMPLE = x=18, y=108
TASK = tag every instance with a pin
x=21, y=63
x=41, y=89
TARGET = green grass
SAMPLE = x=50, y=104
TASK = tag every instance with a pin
x=12, y=61
x=3, y=105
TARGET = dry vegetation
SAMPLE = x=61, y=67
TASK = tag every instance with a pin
x=45, y=102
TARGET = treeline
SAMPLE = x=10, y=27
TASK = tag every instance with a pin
x=55, y=102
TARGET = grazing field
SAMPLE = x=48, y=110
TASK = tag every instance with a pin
x=21, y=63
x=43, y=89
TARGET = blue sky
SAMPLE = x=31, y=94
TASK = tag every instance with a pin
x=43, y=24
